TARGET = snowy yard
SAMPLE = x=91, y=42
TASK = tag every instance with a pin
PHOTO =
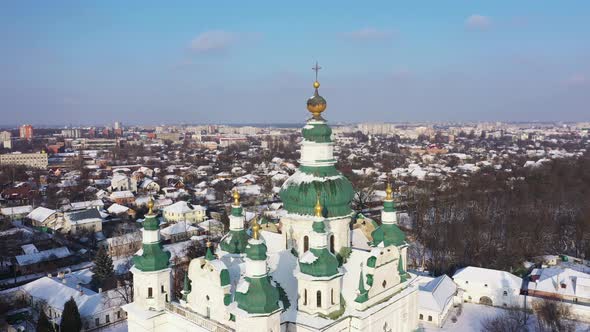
x=473, y=315
x=119, y=327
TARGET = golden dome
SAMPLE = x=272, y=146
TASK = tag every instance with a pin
x=255, y=229
x=389, y=192
x=316, y=104
x=150, y=205
x=208, y=243
x=236, y=196
x=318, y=208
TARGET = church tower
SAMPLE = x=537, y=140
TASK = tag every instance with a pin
x=151, y=271
x=258, y=307
x=235, y=241
x=319, y=277
x=316, y=175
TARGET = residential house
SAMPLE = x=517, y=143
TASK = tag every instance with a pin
x=16, y=212
x=179, y=231
x=183, y=211
x=85, y=220
x=123, y=245
x=123, y=197
x=122, y=182
x=44, y=217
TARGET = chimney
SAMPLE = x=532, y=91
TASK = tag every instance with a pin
x=64, y=281
x=100, y=290
x=49, y=275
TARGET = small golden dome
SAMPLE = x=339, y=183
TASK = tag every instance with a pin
x=208, y=243
x=389, y=192
x=150, y=205
x=255, y=229
x=316, y=84
x=318, y=208
x=236, y=196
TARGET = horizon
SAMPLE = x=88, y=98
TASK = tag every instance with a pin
x=71, y=63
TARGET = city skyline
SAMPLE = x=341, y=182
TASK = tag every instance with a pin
x=82, y=64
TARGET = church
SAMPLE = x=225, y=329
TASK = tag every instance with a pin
x=310, y=278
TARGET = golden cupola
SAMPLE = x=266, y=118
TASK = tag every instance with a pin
x=316, y=104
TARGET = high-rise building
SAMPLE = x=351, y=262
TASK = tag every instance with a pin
x=26, y=131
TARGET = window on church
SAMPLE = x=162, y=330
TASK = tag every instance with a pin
x=332, y=295
x=305, y=243
x=384, y=283
x=505, y=293
x=319, y=298
x=430, y=318
x=150, y=292
x=162, y=288
x=332, y=248
x=107, y=319
x=305, y=297
x=421, y=317
x=97, y=321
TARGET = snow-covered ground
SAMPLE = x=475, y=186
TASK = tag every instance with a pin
x=473, y=315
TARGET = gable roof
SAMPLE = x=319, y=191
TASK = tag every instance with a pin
x=493, y=278
x=436, y=294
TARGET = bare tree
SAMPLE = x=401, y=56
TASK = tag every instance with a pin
x=510, y=320
x=553, y=316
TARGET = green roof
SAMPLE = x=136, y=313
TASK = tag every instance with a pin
x=325, y=264
x=388, y=206
x=300, y=197
x=256, y=251
x=317, y=132
x=151, y=223
x=389, y=234
x=236, y=211
x=153, y=258
x=261, y=298
x=234, y=242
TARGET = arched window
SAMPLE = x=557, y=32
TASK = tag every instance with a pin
x=305, y=243
x=305, y=297
x=421, y=317
x=332, y=248
x=150, y=292
x=319, y=298
x=332, y=295
x=430, y=318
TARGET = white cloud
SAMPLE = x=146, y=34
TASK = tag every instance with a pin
x=369, y=33
x=476, y=21
x=212, y=41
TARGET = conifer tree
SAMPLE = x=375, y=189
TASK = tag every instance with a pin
x=103, y=268
x=70, y=319
x=43, y=323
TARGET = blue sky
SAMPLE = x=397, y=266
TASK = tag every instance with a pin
x=83, y=62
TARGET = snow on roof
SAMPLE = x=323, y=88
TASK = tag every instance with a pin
x=83, y=216
x=124, y=239
x=252, y=189
x=41, y=256
x=117, y=209
x=40, y=214
x=86, y=204
x=122, y=194
x=56, y=293
x=182, y=207
x=16, y=210
x=299, y=177
x=178, y=228
x=243, y=286
x=494, y=278
x=29, y=249
x=308, y=257
x=553, y=280
x=436, y=294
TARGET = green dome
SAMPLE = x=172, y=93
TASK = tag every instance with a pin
x=261, y=298
x=317, y=132
x=299, y=193
x=234, y=242
x=325, y=264
x=389, y=234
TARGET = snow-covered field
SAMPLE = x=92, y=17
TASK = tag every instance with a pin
x=473, y=315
